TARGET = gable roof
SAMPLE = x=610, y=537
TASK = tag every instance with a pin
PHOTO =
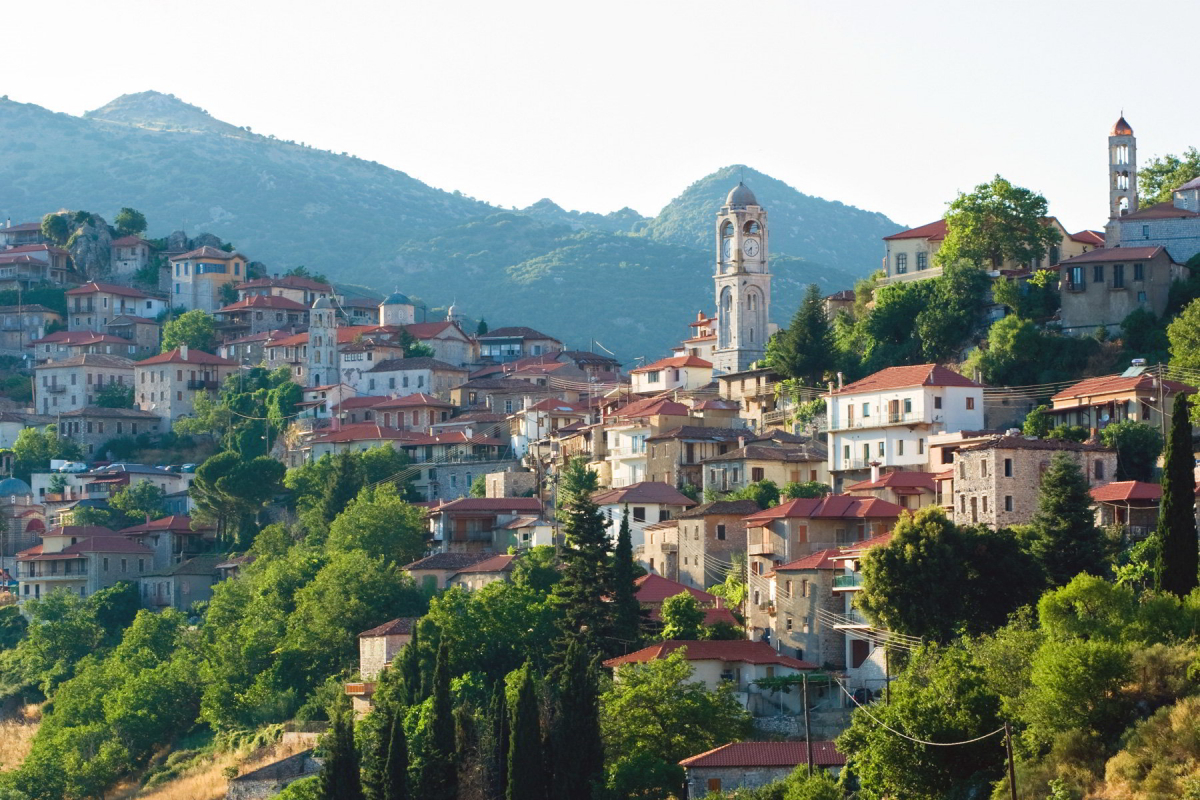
x=1089, y=237
x=700, y=433
x=207, y=251
x=109, y=288
x=822, y=559
x=1127, y=491
x=264, y=301
x=448, y=561
x=366, y=432
x=1111, y=384
x=650, y=407
x=898, y=480
x=676, y=362
x=193, y=357
x=643, y=492
x=1165, y=210
x=401, y=626
x=520, y=504
x=738, y=508
x=500, y=563
x=653, y=588
x=176, y=523
x=935, y=231
x=419, y=362
x=410, y=401
x=767, y=754
x=196, y=565
x=1022, y=443
x=515, y=332
x=735, y=650
x=285, y=282
x=1107, y=254
x=834, y=506
x=91, y=360
x=907, y=377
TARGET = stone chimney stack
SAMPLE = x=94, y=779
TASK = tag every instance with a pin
x=183, y=352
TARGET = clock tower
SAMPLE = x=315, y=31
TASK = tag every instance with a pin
x=743, y=284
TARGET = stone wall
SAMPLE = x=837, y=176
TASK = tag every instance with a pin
x=510, y=484
x=270, y=780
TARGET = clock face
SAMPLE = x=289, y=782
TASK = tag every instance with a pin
x=750, y=248
x=727, y=249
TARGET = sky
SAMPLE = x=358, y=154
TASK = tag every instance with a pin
x=887, y=106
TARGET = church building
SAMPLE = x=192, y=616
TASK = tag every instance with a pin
x=743, y=283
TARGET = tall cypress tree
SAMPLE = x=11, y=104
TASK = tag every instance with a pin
x=408, y=667
x=1178, y=558
x=339, y=779
x=804, y=350
x=627, y=612
x=583, y=590
x=575, y=732
x=526, y=762
x=439, y=775
x=1065, y=538
x=344, y=485
x=385, y=767
x=499, y=744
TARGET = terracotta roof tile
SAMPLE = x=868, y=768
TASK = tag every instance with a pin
x=644, y=492
x=822, y=559
x=193, y=357
x=906, y=377
x=897, y=479
x=677, y=362
x=400, y=626
x=1111, y=384
x=933, y=230
x=834, y=506
x=767, y=754
x=1127, y=491
x=655, y=589
x=1107, y=254
x=735, y=650
x=108, y=288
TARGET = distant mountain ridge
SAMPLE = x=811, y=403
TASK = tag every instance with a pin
x=629, y=282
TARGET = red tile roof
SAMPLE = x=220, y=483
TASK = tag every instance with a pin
x=651, y=406
x=712, y=616
x=208, y=252
x=677, y=362
x=834, y=506
x=935, y=231
x=1112, y=384
x=643, y=492
x=881, y=540
x=79, y=530
x=413, y=401
x=178, y=523
x=128, y=241
x=193, y=357
x=264, y=301
x=897, y=480
x=656, y=588
x=561, y=406
x=428, y=330
x=286, y=282
x=517, y=504
x=1166, y=210
x=1089, y=237
x=907, y=377
x=1127, y=491
x=1107, y=254
x=401, y=626
x=366, y=432
x=108, y=288
x=371, y=401
x=502, y=563
x=767, y=754
x=822, y=559
x=736, y=650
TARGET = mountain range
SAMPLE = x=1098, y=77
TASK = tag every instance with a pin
x=630, y=283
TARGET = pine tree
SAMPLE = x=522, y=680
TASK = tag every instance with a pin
x=1065, y=538
x=339, y=779
x=583, y=590
x=575, y=735
x=627, y=612
x=344, y=485
x=526, y=762
x=1178, y=557
x=804, y=350
x=439, y=774
x=385, y=768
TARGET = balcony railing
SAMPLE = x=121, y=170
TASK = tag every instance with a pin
x=853, y=581
x=54, y=388
x=199, y=384
x=854, y=619
x=854, y=463
x=761, y=549
x=907, y=418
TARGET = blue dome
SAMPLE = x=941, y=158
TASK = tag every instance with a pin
x=741, y=196
x=11, y=486
x=397, y=299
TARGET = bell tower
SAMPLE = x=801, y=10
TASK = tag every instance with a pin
x=1122, y=170
x=743, y=283
x=322, y=360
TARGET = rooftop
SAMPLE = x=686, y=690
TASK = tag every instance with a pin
x=732, y=650
x=643, y=492
x=448, y=561
x=401, y=626
x=107, y=288
x=1113, y=384
x=1127, y=492
x=652, y=589
x=767, y=754
x=193, y=356
x=834, y=506
x=676, y=362
x=907, y=377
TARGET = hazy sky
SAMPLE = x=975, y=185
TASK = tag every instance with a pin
x=889, y=106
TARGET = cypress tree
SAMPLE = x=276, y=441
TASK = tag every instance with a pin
x=499, y=744
x=526, y=762
x=344, y=485
x=439, y=774
x=1178, y=558
x=408, y=667
x=582, y=591
x=1065, y=538
x=385, y=771
x=804, y=350
x=575, y=732
x=627, y=612
x=339, y=779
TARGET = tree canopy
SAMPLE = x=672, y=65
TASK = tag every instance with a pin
x=1162, y=176
x=997, y=222
x=194, y=328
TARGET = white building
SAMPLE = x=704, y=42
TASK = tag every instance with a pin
x=886, y=419
x=678, y=373
x=73, y=383
x=649, y=502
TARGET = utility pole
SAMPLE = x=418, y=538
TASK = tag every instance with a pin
x=807, y=729
x=887, y=677
x=1012, y=770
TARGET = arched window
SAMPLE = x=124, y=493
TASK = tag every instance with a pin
x=724, y=312
x=752, y=228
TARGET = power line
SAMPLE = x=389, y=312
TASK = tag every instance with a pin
x=903, y=735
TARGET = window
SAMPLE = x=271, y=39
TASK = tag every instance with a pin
x=908, y=405
x=937, y=402
x=721, y=533
x=757, y=474
x=846, y=452
x=1139, y=272
x=788, y=588
x=1145, y=231
x=962, y=469
x=1008, y=506
x=962, y=498
x=1118, y=276
x=124, y=565
x=789, y=623
x=714, y=784
x=639, y=514
x=104, y=564
x=920, y=447
x=970, y=404
x=881, y=449
x=866, y=410
x=141, y=565
x=900, y=447
x=1008, y=467
x=983, y=502
x=654, y=376
x=982, y=468
x=1076, y=279
x=1098, y=273
x=901, y=263
x=1098, y=470
x=1141, y=297
x=922, y=261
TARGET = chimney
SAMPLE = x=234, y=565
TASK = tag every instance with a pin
x=183, y=352
x=874, y=471
x=841, y=380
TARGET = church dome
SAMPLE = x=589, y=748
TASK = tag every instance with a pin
x=322, y=302
x=11, y=486
x=741, y=196
x=1121, y=128
x=397, y=299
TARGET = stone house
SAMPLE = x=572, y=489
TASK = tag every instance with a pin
x=418, y=412
x=300, y=290
x=996, y=482
x=62, y=345
x=92, y=426
x=512, y=343
x=93, y=306
x=739, y=662
x=654, y=590
x=800, y=527
x=779, y=457
x=22, y=325
x=180, y=585
x=252, y=350
x=144, y=333
x=448, y=342
x=909, y=490
x=628, y=430
x=434, y=572
x=128, y=254
x=477, y=524
x=1131, y=505
x=259, y=314
x=505, y=395
x=30, y=265
x=172, y=539
x=542, y=419
x=648, y=502
x=752, y=765
x=753, y=392
x=676, y=456
x=659, y=555
x=402, y=376
x=73, y=383
x=167, y=384
x=1102, y=287
x=198, y=275
x=377, y=648
x=270, y=780
x=794, y=606
x=481, y=573
x=710, y=535
x=81, y=560
x=678, y=373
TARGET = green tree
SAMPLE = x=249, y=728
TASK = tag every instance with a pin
x=1076, y=686
x=194, y=328
x=1005, y=361
x=230, y=492
x=809, y=489
x=34, y=449
x=438, y=778
x=1145, y=335
x=379, y=522
x=56, y=228
x=586, y=577
x=385, y=768
x=12, y=626
x=935, y=579
x=526, y=758
x=1038, y=423
x=339, y=779
x=1162, y=176
x=804, y=350
x=482, y=327
x=953, y=313
x=575, y=727
x=626, y=611
x=478, y=487
x=1064, y=536
x=139, y=502
x=682, y=617
x=345, y=482
x=130, y=222
x=1183, y=335
x=1178, y=559
x=997, y=222
x=115, y=395
x=1138, y=446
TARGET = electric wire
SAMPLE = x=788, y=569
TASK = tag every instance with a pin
x=903, y=735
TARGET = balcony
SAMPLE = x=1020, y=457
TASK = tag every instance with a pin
x=856, y=463
x=907, y=418
x=762, y=549
x=202, y=385
x=852, y=620
x=54, y=388
x=848, y=583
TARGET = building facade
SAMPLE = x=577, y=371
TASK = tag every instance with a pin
x=743, y=283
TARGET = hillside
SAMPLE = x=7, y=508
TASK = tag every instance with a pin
x=625, y=280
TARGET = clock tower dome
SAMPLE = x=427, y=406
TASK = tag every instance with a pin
x=743, y=283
